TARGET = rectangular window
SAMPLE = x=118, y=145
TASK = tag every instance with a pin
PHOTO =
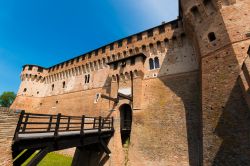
x=96, y=52
x=129, y=40
x=174, y=25
x=132, y=61
x=115, y=66
x=161, y=29
x=150, y=33
x=89, y=55
x=119, y=43
x=40, y=69
x=86, y=78
x=123, y=64
x=111, y=47
x=103, y=50
x=139, y=37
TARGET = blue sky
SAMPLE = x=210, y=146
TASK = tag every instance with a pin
x=46, y=32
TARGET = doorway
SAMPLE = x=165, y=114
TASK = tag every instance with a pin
x=125, y=123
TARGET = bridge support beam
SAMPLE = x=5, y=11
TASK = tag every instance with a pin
x=38, y=157
x=21, y=159
x=97, y=154
x=105, y=147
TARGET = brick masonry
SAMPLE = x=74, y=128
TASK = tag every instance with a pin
x=8, y=121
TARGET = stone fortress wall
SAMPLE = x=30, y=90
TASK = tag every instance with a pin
x=182, y=77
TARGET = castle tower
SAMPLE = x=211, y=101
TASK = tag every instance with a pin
x=219, y=30
x=31, y=88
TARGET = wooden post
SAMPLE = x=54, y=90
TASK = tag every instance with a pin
x=94, y=123
x=57, y=125
x=68, y=123
x=82, y=125
x=103, y=122
x=100, y=125
x=112, y=123
x=25, y=123
x=50, y=121
x=19, y=124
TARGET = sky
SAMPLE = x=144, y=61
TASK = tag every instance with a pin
x=46, y=32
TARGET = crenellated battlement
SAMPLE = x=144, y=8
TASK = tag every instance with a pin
x=154, y=37
x=165, y=44
x=33, y=72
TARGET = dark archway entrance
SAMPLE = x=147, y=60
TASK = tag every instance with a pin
x=126, y=123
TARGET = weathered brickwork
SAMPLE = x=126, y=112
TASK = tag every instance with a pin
x=224, y=111
x=174, y=133
x=8, y=121
x=186, y=81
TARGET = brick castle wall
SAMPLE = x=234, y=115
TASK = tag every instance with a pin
x=225, y=122
x=8, y=122
x=190, y=111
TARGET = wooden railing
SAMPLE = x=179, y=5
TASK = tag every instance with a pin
x=30, y=123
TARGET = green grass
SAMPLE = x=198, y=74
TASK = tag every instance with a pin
x=52, y=159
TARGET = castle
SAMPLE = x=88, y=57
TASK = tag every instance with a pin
x=181, y=88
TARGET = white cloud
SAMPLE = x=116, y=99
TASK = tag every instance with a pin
x=157, y=9
x=144, y=13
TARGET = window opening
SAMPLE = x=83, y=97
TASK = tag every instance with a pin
x=151, y=64
x=150, y=33
x=157, y=64
x=139, y=37
x=129, y=40
x=132, y=61
x=161, y=29
x=211, y=36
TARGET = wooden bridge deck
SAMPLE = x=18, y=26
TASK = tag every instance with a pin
x=48, y=133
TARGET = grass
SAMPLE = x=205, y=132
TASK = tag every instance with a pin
x=52, y=159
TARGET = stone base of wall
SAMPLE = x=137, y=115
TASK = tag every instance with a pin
x=8, y=122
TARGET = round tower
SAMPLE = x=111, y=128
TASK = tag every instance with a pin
x=30, y=91
x=220, y=32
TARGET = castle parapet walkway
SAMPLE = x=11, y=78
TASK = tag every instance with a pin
x=48, y=133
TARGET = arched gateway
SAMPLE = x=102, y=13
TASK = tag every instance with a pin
x=126, y=122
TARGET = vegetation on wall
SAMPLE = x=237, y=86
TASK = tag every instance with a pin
x=7, y=98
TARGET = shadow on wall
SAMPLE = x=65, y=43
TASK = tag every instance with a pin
x=234, y=130
x=187, y=87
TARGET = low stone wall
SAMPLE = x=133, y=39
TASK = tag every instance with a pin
x=8, y=121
